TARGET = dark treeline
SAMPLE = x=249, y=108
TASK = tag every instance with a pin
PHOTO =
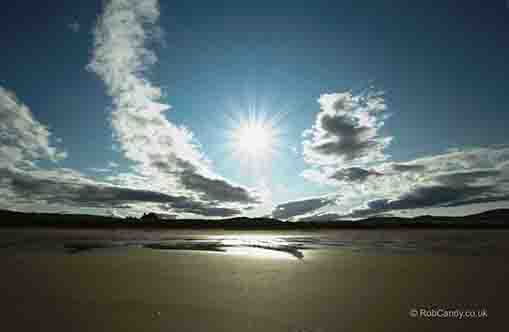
x=489, y=219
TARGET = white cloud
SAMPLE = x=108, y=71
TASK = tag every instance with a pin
x=166, y=154
x=455, y=178
x=26, y=186
x=23, y=139
x=99, y=170
x=346, y=151
x=346, y=131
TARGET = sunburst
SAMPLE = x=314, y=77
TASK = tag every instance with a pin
x=255, y=137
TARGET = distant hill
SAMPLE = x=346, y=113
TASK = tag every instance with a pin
x=488, y=219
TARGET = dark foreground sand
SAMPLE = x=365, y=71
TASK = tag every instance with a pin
x=139, y=289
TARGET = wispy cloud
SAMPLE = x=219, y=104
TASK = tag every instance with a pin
x=451, y=179
x=301, y=207
x=110, y=167
x=201, y=208
x=99, y=170
x=408, y=167
x=70, y=189
x=167, y=154
x=22, y=138
x=60, y=187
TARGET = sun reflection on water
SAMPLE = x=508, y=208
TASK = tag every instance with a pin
x=259, y=246
x=258, y=252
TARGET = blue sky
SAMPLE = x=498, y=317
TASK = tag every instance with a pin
x=439, y=69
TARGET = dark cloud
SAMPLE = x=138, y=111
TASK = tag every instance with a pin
x=460, y=179
x=346, y=129
x=202, y=208
x=296, y=208
x=434, y=196
x=345, y=137
x=85, y=194
x=353, y=174
x=408, y=168
x=75, y=193
x=487, y=198
x=431, y=196
x=322, y=217
x=210, y=189
x=215, y=189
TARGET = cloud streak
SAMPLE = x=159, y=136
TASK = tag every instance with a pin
x=429, y=196
x=23, y=139
x=353, y=174
x=163, y=152
x=452, y=179
x=71, y=189
x=301, y=207
x=408, y=168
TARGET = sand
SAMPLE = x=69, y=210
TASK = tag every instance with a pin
x=139, y=289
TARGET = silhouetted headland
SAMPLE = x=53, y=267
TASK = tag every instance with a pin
x=489, y=219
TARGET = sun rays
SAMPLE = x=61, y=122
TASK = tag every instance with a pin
x=255, y=138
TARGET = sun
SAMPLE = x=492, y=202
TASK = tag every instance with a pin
x=254, y=138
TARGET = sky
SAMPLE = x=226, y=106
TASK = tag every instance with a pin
x=296, y=110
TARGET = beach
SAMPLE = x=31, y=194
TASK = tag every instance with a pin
x=330, y=289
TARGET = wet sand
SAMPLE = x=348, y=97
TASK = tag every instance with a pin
x=139, y=289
